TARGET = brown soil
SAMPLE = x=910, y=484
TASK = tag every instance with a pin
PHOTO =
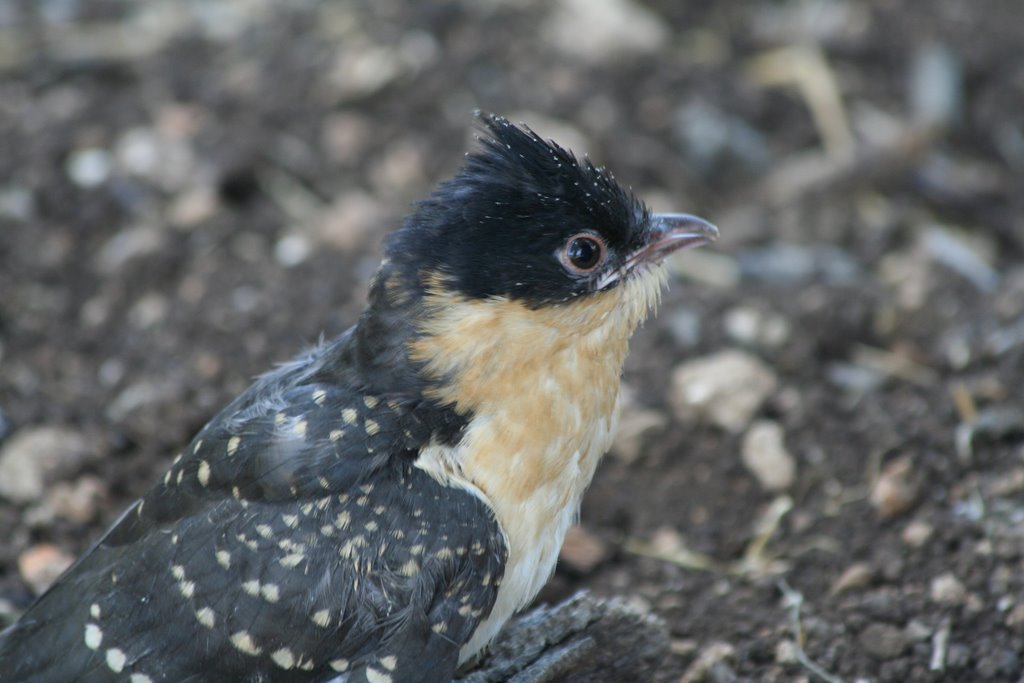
x=188, y=197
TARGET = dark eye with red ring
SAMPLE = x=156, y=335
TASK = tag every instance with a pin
x=583, y=253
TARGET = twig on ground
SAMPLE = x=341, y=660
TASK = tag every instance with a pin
x=894, y=365
x=681, y=556
x=794, y=600
x=806, y=68
x=755, y=562
x=940, y=642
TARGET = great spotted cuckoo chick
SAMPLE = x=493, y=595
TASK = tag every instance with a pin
x=375, y=510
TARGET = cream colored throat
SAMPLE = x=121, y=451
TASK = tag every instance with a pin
x=541, y=384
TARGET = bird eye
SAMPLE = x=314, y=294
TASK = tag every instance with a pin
x=583, y=252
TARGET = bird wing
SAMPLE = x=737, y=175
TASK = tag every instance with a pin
x=295, y=539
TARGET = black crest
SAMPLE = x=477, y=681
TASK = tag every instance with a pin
x=496, y=228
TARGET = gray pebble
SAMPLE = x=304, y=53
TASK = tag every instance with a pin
x=603, y=31
x=35, y=456
x=727, y=387
x=765, y=456
x=883, y=641
x=935, y=85
x=89, y=167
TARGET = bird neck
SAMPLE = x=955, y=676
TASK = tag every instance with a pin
x=480, y=355
x=375, y=352
x=540, y=385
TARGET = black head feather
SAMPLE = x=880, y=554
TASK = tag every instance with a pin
x=497, y=228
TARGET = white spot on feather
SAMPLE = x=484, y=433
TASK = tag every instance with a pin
x=283, y=658
x=206, y=617
x=93, y=636
x=243, y=642
x=224, y=558
x=270, y=592
x=292, y=560
x=116, y=660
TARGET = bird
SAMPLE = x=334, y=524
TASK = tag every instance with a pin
x=376, y=509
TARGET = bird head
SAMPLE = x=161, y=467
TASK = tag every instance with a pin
x=526, y=252
x=524, y=220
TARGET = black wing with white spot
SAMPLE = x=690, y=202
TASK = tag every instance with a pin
x=294, y=540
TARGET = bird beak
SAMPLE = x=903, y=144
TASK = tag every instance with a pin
x=670, y=232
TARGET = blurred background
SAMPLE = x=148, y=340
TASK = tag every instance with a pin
x=820, y=471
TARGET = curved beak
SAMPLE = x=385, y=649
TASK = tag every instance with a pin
x=670, y=232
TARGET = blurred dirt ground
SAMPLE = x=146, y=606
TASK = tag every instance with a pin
x=820, y=474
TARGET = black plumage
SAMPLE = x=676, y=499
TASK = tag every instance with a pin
x=292, y=540
x=514, y=200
